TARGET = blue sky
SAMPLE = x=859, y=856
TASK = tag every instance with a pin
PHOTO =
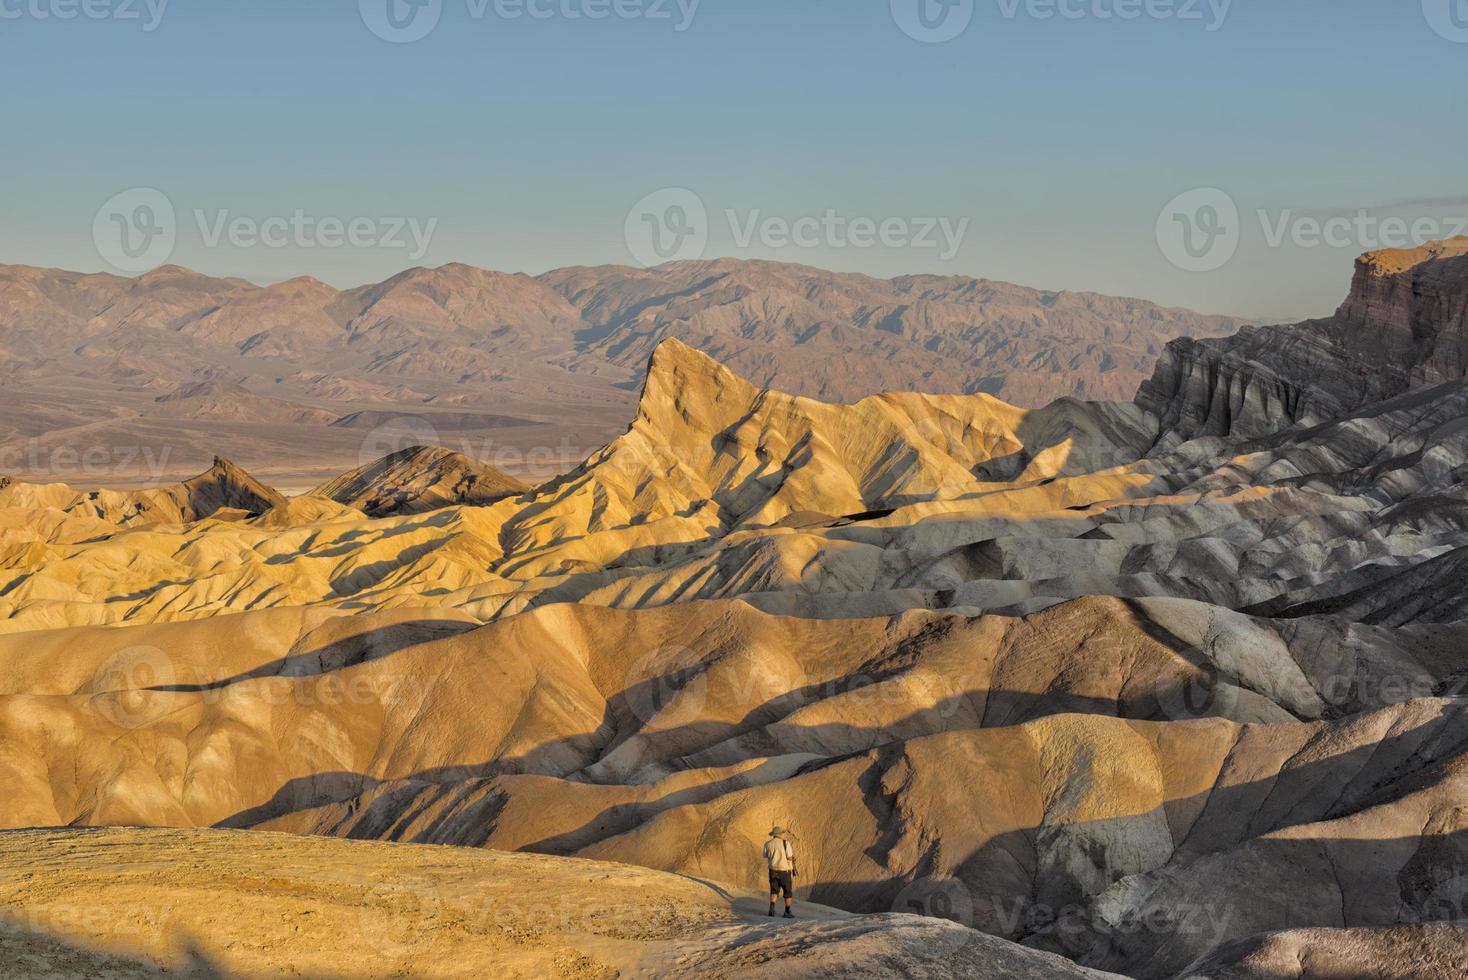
x=1056, y=142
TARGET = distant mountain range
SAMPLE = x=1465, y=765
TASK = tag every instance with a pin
x=166, y=358
x=841, y=337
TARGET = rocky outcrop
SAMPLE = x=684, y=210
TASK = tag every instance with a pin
x=1260, y=381
x=223, y=486
x=711, y=446
x=1407, y=314
x=420, y=479
x=1403, y=326
x=222, y=490
x=1417, y=952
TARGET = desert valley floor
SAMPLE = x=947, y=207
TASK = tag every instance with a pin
x=1162, y=688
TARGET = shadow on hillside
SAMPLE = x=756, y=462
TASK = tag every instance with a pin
x=1006, y=885
x=714, y=744
x=622, y=742
x=585, y=339
x=35, y=952
x=1233, y=885
x=351, y=651
x=1224, y=880
x=1004, y=877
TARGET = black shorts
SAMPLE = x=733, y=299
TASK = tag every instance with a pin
x=782, y=881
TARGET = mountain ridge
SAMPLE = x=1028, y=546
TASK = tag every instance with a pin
x=85, y=357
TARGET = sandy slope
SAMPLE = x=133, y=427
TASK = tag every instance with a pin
x=1114, y=759
x=119, y=904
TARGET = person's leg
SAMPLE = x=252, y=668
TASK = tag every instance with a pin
x=789, y=886
x=774, y=893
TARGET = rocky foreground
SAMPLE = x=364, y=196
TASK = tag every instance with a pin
x=117, y=903
x=1168, y=689
x=131, y=903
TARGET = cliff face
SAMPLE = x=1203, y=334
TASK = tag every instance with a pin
x=1234, y=387
x=1410, y=308
x=1403, y=326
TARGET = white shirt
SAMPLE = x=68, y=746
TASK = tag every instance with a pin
x=779, y=855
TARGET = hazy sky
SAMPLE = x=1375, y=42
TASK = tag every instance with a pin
x=1046, y=148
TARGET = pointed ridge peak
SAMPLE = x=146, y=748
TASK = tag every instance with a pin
x=672, y=354
x=224, y=472
x=675, y=366
x=224, y=486
x=680, y=378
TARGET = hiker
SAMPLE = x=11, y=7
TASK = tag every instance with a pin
x=780, y=856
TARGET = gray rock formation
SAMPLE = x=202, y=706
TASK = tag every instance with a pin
x=1404, y=326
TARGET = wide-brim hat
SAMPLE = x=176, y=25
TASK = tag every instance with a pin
x=779, y=832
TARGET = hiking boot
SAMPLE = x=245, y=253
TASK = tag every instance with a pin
x=772, y=911
x=788, y=914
